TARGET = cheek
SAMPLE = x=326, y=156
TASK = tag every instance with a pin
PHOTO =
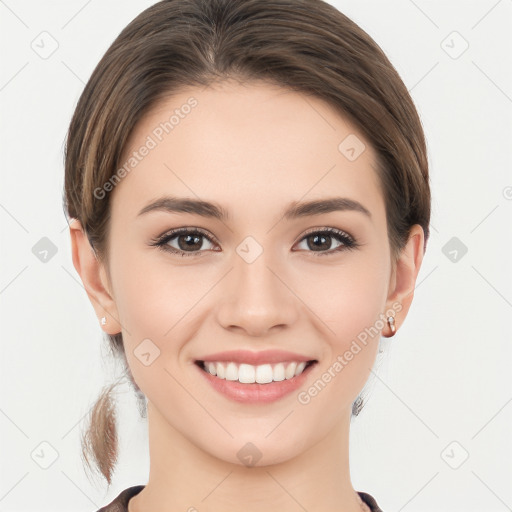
x=349, y=303
x=159, y=306
x=348, y=298
x=152, y=296
x=155, y=304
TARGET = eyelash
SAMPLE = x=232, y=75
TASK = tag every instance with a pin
x=347, y=241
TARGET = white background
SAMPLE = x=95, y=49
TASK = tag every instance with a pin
x=446, y=375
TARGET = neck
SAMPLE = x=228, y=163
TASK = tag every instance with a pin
x=185, y=477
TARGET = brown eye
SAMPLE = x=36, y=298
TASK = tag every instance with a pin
x=190, y=242
x=321, y=242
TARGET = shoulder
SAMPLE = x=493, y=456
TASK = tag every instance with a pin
x=120, y=503
x=370, y=501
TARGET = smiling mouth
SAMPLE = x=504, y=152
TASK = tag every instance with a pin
x=255, y=374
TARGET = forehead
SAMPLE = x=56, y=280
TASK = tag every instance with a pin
x=253, y=146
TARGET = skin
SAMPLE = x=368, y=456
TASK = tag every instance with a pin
x=272, y=146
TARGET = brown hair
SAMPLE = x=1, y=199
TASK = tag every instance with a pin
x=307, y=46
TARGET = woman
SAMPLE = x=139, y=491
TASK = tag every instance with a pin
x=248, y=189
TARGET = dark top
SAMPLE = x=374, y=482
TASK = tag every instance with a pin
x=120, y=504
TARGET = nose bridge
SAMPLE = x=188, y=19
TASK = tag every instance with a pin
x=256, y=283
x=256, y=299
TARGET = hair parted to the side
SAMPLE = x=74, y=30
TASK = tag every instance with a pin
x=306, y=46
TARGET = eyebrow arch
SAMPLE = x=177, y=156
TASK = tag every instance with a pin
x=327, y=205
x=294, y=210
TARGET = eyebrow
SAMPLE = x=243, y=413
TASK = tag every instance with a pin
x=294, y=210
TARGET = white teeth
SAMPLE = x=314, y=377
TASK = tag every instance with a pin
x=249, y=374
x=300, y=368
x=246, y=373
x=263, y=374
x=221, y=370
x=290, y=370
x=279, y=372
x=232, y=371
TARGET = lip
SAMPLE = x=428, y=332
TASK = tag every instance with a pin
x=256, y=358
x=256, y=393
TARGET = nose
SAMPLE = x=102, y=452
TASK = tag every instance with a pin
x=256, y=299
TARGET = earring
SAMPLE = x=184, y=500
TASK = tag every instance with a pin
x=103, y=320
x=391, y=323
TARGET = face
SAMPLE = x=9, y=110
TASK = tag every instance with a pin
x=310, y=282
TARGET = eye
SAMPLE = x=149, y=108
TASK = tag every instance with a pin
x=319, y=241
x=189, y=241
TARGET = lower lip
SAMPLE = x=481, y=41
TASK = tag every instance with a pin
x=256, y=393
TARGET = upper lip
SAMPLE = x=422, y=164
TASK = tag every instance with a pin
x=256, y=358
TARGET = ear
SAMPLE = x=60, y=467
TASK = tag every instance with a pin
x=403, y=277
x=94, y=278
